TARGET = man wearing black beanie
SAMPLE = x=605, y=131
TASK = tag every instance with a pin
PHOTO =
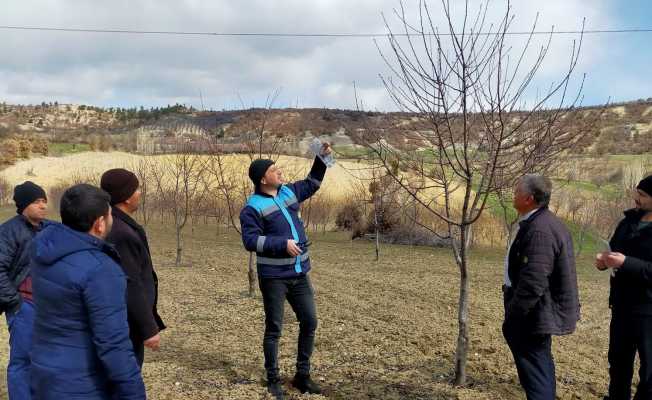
x=630, y=298
x=272, y=227
x=130, y=239
x=16, y=299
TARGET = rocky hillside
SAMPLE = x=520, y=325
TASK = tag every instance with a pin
x=619, y=129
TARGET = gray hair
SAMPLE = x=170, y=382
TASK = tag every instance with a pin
x=539, y=186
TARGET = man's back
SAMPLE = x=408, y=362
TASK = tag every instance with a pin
x=81, y=347
x=542, y=269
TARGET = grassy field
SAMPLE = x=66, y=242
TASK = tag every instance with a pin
x=387, y=329
x=50, y=171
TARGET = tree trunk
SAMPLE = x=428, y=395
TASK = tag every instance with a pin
x=377, y=232
x=462, y=349
x=179, y=244
x=252, y=276
x=377, y=244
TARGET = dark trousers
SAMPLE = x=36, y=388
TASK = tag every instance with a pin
x=299, y=294
x=627, y=335
x=534, y=363
x=20, y=326
x=139, y=351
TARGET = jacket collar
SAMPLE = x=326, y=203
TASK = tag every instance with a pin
x=261, y=193
x=534, y=216
x=37, y=228
x=126, y=218
x=634, y=214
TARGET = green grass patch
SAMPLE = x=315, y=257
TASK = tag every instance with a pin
x=608, y=191
x=62, y=149
x=351, y=152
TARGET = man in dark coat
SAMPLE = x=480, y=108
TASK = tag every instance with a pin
x=540, y=287
x=130, y=240
x=16, y=298
x=630, y=298
x=272, y=227
x=81, y=348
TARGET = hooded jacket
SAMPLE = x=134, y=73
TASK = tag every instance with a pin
x=81, y=347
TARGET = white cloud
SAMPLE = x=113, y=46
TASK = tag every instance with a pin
x=119, y=69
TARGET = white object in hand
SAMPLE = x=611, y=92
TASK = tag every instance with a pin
x=606, y=248
x=316, y=147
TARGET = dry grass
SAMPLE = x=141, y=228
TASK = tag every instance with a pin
x=51, y=171
x=387, y=329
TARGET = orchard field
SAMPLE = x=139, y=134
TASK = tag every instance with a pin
x=386, y=329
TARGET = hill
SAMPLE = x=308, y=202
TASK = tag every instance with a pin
x=619, y=129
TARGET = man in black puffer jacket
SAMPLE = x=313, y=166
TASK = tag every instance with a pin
x=540, y=287
x=630, y=297
x=16, y=283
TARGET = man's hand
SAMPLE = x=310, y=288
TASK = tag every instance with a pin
x=614, y=260
x=599, y=261
x=293, y=249
x=326, y=149
x=154, y=342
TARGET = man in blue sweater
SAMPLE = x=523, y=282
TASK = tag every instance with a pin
x=271, y=227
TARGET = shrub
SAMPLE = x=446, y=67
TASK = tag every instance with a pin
x=349, y=216
x=10, y=150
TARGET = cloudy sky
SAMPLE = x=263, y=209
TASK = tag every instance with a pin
x=154, y=70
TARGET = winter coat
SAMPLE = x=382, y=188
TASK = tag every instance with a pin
x=81, y=347
x=543, y=298
x=269, y=222
x=631, y=284
x=15, y=237
x=130, y=241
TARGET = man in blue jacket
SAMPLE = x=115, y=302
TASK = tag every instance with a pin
x=16, y=282
x=81, y=347
x=271, y=227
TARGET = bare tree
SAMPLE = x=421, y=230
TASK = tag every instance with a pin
x=227, y=181
x=143, y=169
x=634, y=172
x=179, y=183
x=476, y=134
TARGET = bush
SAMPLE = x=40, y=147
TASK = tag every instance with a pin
x=24, y=148
x=415, y=236
x=10, y=150
x=349, y=217
x=40, y=146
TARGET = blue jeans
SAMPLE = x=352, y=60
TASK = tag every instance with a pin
x=21, y=324
x=298, y=292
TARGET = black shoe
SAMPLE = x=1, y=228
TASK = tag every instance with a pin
x=305, y=385
x=275, y=388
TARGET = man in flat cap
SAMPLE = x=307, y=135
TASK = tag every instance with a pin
x=630, y=298
x=16, y=299
x=272, y=227
x=130, y=240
